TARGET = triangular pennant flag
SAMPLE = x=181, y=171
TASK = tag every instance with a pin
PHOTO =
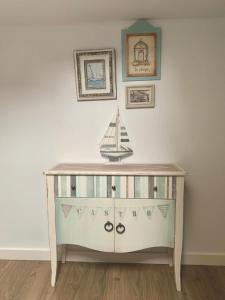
x=134, y=211
x=121, y=211
x=80, y=210
x=106, y=211
x=149, y=211
x=66, y=209
x=93, y=211
x=164, y=209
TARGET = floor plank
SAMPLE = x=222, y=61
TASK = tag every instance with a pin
x=30, y=280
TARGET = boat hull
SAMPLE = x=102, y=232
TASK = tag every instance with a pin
x=114, y=155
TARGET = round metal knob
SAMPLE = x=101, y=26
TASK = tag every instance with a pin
x=108, y=226
x=120, y=228
x=113, y=187
x=155, y=189
x=73, y=187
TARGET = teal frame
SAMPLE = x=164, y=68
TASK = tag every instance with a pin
x=141, y=27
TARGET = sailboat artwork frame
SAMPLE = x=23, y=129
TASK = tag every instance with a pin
x=95, y=72
x=115, y=144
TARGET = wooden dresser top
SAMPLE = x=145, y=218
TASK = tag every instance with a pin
x=116, y=169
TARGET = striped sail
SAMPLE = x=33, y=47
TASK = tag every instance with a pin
x=115, y=143
x=124, y=139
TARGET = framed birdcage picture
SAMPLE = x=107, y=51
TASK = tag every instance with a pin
x=95, y=74
x=141, y=52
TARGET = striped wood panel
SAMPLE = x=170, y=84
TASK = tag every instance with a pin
x=143, y=187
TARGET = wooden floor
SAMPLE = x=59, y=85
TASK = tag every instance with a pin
x=30, y=280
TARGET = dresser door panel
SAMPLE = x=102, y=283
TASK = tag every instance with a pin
x=101, y=186
x=63, y=186
x=141, y=188
x=81, y=186
x=81, y=222
x=119, y=186
x=151, y=187
x=146, y=223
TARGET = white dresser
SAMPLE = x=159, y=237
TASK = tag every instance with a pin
x=116, y=208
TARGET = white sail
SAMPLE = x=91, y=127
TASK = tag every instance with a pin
x=115, y=142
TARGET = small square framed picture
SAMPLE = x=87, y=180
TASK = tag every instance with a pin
x=140, y=96
x=95, y=74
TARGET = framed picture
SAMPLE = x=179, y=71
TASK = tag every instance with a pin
x=141, y=52
x=140, y=96
x=95, y=74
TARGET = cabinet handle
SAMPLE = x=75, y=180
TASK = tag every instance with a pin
x=155, y=189
x=113, y=187
x=108, y=226
x=73, y=187
x=120, y=228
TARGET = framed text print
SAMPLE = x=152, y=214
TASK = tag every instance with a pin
x=140, y=96
x=95, y=74
x=141, y=52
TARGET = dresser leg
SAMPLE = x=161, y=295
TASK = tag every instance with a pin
x=54, y=271
x=177, y=272
x=178, y=231
x=170, y=256
x=63, y=254
x=51, y=227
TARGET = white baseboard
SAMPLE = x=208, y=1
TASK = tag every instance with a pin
x=25, y=253
x=191, y=258
x=208, y=259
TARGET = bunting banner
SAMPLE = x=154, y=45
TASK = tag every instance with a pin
x=134, y=212
x=163, y=209
x=119, y=211
x=66, y=209
x=149, y=211
x=80, y=210
x=106, y=211
x=93, y=211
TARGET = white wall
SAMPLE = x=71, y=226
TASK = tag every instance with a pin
x=41, y=123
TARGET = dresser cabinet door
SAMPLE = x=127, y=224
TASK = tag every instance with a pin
x=143, y=223
x=85, y=222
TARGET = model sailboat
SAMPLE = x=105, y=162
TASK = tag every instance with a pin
x=115, y=143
